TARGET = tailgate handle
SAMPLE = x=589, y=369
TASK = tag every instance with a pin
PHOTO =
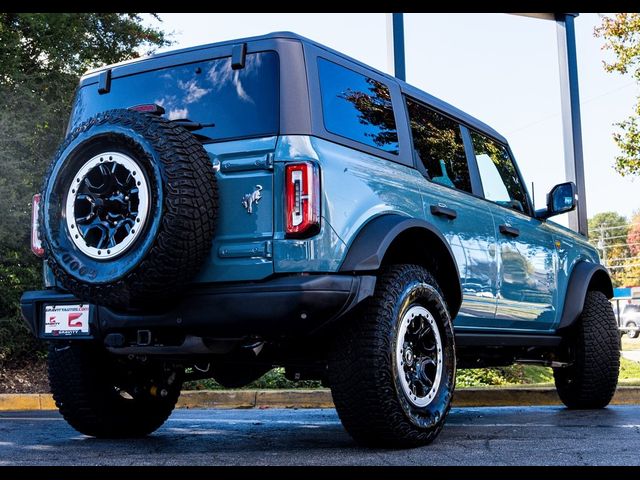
x=443, y=212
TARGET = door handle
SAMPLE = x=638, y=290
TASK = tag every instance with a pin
x=443, y=211
x=509, y=230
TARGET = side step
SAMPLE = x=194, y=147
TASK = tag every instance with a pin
x=506, y=340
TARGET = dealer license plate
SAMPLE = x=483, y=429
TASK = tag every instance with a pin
x=66, y=320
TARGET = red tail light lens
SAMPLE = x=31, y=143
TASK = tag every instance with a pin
x=302, y=190
x=36, y=243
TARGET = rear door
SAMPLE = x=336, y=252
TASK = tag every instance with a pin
x=464, y=220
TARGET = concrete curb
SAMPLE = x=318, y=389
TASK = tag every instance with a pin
x=300, y=398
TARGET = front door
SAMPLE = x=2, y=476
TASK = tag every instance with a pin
x=527, y=261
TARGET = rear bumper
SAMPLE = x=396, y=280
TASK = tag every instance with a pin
x=288, y=306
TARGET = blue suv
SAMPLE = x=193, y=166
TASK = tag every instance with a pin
x=220, y=210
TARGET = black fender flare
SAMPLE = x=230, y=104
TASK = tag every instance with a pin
x=370, y=245
x=584, y=274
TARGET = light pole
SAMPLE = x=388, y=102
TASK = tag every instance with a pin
x=569, y=95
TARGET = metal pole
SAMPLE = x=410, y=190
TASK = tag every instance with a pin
x=571, y=125
x=395, y=45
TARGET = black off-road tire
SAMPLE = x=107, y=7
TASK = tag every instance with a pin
x=88, y=384
x=176, y=239
x=594, y=345
x=362, y=372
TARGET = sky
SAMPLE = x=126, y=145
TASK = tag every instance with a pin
x=502, y=69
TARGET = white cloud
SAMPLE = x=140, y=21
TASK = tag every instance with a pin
x=194, y=92
x=177, y=113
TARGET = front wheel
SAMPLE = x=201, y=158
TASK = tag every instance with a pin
x=592, y=376
x=392, y=369
x=632, y=333
x=111, y=397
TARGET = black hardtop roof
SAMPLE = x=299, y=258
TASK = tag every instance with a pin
x=407, y=88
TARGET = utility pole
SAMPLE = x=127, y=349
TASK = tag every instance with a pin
x=602, y=245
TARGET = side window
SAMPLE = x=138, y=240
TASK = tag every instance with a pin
x=500, y=180
x=357, y=107
x=438, y=144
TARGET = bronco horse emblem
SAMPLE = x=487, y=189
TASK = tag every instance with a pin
x=250, y=199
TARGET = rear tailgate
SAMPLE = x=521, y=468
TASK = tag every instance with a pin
x=239, y=108
x=242, y=249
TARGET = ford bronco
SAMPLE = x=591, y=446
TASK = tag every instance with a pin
x=220, y=210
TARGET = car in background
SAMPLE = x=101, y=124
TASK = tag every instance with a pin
x=630, y=320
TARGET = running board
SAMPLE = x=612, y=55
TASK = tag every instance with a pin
x=506, y=340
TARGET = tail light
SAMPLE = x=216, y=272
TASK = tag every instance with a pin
x=302, y=190
x=36, y=243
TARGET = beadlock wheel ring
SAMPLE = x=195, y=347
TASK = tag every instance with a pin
x=107, y=205
x=419, y=356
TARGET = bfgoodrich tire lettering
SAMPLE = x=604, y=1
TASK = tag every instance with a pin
x=178, y=227
x=591, y=379
x=363, y=372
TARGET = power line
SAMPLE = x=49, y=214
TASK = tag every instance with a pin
x=612, y=267
x=590, y=99
x=626, y=225
x=616, y=245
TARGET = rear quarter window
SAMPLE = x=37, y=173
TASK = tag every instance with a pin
x=357, y=107
x=241, y=103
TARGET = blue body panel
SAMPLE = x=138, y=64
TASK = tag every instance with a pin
x=242, y=249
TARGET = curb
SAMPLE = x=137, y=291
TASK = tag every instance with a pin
x=301, y=398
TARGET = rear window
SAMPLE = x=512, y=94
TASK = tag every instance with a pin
x=357, y=107
x=241, y=103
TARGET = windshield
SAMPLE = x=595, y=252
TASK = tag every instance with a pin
x=240, y=103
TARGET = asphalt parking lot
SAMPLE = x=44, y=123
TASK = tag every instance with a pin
x=472, y=436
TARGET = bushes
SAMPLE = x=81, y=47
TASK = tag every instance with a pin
x=513, y=375
x=271, y=380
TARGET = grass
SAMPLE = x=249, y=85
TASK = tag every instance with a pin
x=512, y=376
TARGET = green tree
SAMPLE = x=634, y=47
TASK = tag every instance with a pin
x=42, y=56
x=608, y=232
x=621, y=34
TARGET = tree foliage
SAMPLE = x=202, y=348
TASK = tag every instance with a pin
x=633, y=237
x=42, y=56
x=610, y=232
x=374, y=108
x=621, y=34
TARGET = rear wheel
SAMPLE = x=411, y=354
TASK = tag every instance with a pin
x=594, y=346
x=392, y=369
x=111, y=397
x=632, y=333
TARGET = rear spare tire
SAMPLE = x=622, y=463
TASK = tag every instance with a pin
x=128, y=210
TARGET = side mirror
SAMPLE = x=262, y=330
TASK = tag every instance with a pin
x=561, y=199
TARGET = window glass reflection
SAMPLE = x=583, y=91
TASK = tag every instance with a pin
x=499, y=177
x=438, y=144
x=357, y=107
x=241, y=103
